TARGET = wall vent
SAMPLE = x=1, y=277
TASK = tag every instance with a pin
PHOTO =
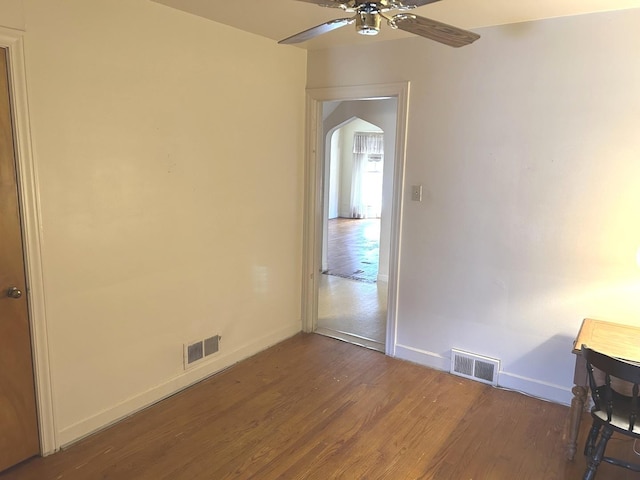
x=475, y=367
x=200, y=349
x=211, y=345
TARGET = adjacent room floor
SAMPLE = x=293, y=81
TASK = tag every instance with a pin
x=353, y=249
x=355, y=308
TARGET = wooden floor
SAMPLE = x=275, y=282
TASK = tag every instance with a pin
x=355, y=308
x=353, y=249
x=352, y=304
x=317, y=408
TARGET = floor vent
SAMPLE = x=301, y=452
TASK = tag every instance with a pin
x=475, y=367
x=200, y=349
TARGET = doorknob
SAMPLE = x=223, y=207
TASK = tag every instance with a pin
x=14, y=292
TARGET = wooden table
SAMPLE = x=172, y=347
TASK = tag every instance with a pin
x=614, y=339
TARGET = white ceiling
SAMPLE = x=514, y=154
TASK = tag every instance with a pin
x=278, y=19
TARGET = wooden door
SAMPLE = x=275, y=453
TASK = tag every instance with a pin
x=18, y=420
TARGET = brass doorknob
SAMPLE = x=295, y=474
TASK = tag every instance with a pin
x=14, y=292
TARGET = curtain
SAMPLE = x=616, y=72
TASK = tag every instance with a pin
x=369, y=143
x=358, y=208
x=364, y=144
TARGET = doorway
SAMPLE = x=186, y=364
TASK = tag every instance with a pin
x=384, y=106
x=352, y=295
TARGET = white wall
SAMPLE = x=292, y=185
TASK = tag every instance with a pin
x=526, y=143
x=346, y=163
x=332, y=179
x=12, y=14
x=168, y=154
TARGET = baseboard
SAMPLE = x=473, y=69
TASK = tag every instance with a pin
x=535, y=388
x=528, y=386
x=107, y=417
x=422, y=357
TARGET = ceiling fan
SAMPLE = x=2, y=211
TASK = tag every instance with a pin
x=369, y=15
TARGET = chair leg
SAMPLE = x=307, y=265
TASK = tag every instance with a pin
x=591, y=439
x=594, y=461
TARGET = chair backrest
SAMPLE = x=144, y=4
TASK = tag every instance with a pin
x=603, y=395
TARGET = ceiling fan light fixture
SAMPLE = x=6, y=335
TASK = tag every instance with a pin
x=368, y=23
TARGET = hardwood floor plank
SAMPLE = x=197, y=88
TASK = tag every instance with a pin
x=316, y=408
x=353, y=248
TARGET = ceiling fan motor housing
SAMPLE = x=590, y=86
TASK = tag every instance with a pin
x=380, y=5
x=368, y=20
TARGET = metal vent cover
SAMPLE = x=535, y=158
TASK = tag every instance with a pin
x=194, y=352
x=211, y=345
x=198, y=350
x=475, y=367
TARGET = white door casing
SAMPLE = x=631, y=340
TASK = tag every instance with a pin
x=314, y=179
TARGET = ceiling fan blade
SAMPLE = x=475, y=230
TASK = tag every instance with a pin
x=416, y=3
x=327, y=3
x=434, y=30
x=318, y=30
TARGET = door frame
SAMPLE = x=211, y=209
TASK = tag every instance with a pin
x=314, y=187
x=28, y=196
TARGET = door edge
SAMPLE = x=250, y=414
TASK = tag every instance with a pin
x=28, y=195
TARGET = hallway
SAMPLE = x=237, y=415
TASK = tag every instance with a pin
x=352, y=304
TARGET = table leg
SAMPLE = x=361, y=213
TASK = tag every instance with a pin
x=577, y=407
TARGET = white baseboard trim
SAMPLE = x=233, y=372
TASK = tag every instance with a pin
x=528, y=386
x=107, y=417
x=535, y=388
x=422, y=357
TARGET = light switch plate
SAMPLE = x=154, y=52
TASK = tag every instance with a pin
x=416, y=193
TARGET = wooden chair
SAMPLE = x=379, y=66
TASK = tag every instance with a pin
x=612, y=410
